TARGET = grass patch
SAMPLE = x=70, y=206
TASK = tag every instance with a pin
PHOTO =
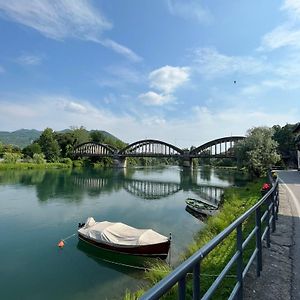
x=236, y=202
x=27, y=166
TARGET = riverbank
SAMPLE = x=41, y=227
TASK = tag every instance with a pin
x=236, y=202
x=28, y=166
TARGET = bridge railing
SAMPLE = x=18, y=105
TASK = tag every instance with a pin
x=265, y=212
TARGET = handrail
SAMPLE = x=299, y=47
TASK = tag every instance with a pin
x=193, y=262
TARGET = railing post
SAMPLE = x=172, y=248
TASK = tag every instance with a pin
x=268, y=235
x=239, y=243
x=196, y=282
x=273, y=210
x=181, y=288
x=258, y=241
x=277, y=200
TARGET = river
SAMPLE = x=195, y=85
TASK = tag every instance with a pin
x=40, y=207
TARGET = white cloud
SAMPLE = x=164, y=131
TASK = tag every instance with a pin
x=210, y=63
x=60, y=112
x=282, y=36
x=168, y=78
x=62, y=19
x=190, y=10
x=152, y=98
x=292, y=7
x=75, y=107
x=286, y=34
x=119, y=49
x=27, y=59
x=57, y=19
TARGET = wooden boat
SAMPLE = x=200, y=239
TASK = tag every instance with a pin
x=200, y=207
x=124, y=239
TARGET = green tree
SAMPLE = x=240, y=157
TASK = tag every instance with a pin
x=49, y=145
x=285, y=137
x=257, y=152
x=81, y=135
x=97, y=136
x=32, y=149
x=1, y=149
x=66, y=141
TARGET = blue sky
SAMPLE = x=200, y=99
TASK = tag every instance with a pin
x=162, y=69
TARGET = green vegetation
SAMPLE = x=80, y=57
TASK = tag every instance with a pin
x=236, y=202
x=287, y=140
x=33, y=165
x=257, y=152
x=56, y=147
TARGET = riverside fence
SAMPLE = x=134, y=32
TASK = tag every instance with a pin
x=265, y=212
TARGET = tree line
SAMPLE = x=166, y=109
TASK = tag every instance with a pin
x=263, y=147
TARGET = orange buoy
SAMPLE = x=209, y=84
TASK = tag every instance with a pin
x=61, y=244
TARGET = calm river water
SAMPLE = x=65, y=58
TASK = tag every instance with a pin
x=38, y=208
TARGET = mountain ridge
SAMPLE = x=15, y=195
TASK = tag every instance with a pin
x=24, y=137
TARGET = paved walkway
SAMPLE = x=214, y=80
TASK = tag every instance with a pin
x=280, y=278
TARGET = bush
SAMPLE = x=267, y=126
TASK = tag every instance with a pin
x=78, y=163
x=39, y=158
x=11, y=158
x=68, y=161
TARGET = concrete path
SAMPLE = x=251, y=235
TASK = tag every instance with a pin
x=291, y=182
x=280, y=278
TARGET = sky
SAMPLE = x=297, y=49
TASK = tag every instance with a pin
x=182, y=71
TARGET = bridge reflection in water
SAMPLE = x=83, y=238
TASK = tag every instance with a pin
x=151, y=189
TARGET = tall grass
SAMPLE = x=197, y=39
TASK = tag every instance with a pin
x=236, y=202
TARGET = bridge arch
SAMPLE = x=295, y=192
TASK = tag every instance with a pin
x=151, y=190
x=94, y=149
x=221, y=147
x=150, y=148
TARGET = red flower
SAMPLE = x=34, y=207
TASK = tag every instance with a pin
x=266, y=186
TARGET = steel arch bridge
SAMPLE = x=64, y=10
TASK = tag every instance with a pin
x=150, y=148
x=94, y=149
x=218, y=148
x=222, y=148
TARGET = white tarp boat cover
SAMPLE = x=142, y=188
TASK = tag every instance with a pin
x=120, y=234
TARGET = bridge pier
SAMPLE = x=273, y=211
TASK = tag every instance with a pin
x=186, y=160
x=120, y=162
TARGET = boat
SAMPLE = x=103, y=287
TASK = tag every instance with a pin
x=200, y=207
x=122, y=238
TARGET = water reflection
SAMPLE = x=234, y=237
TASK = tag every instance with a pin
x=127, y=264
x=74, y=184
x=46, y=205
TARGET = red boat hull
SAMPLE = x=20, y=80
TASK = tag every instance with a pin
x=154, y=250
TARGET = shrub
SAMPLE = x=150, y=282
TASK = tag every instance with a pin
x=39, y=158
x=11, y=158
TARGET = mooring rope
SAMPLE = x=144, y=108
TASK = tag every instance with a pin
x=153, y=269
x=68, y=237
x=144, y=268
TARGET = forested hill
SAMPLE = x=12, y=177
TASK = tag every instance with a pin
x=24, y=137
x=20, y=138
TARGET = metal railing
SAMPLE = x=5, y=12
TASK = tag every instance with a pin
x=266, y=213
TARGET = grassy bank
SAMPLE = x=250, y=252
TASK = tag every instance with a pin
x=26, y=166
x=236, y=201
